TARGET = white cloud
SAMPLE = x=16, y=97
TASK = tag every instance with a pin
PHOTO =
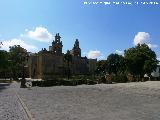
x=12, y=42
x=152, y=45
x=141, y=37
x=85, y=53
x=144, y=37
x=94, y=54
x=40, y=33
x=102, y=57
x=119, y=52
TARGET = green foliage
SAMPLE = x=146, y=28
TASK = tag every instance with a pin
x=3, y=59
x=5, y=65
x=18, y=57
x=68, y=59
x=119, y=78
x=76, y=80
x=12, y=62
x=140, y=60
x=103, y=79
x=18, y=54
x=115, y=64
x=47, y=83
x=101, y=67
x=55, y=82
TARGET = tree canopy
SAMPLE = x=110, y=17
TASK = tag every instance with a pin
x=4, y=63
x=3, y=58
x=68, y=59
x=101, y=67
x=115, y=64
x=140, y=60
x=18, y=57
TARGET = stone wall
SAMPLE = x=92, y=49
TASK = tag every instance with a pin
x=47, y=65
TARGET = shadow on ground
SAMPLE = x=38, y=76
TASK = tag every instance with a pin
x=4, y=86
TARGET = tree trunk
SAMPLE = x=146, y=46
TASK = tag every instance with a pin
x=68, y=71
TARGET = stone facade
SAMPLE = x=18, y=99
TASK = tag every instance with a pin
x=51, y=64
x=156, y=73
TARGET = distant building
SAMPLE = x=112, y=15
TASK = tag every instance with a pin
x=51, y=64
x=156, y=73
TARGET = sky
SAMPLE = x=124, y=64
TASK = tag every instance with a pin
x=102, y=29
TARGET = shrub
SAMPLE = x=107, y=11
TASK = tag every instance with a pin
x=119, y=78
x=103, y=79
x=46, y=83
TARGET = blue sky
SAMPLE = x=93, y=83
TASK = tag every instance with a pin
x=101, y=29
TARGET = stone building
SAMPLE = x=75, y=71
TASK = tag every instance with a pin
x=51, y=64
x=156, y=73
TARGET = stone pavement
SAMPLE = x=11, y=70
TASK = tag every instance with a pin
x=10, y=105
x=129, y=101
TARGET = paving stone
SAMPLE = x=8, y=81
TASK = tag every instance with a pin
x=10, y=107
x=135, y=101
x=98, y=102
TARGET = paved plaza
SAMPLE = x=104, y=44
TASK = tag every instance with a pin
x=129, y=101
x=10, y=105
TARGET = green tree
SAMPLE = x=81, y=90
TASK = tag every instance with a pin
x=68, y=59
x=116, y=64
x=4, y=66
x=101, y=67
x=140, y=60
x=18, y=57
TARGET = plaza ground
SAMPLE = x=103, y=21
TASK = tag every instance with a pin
x=124, y=101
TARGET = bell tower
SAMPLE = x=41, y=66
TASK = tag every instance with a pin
x=76, y=51
x=57, y=45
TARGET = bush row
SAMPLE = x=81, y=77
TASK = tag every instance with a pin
x=47, y=83
x=99, y=80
